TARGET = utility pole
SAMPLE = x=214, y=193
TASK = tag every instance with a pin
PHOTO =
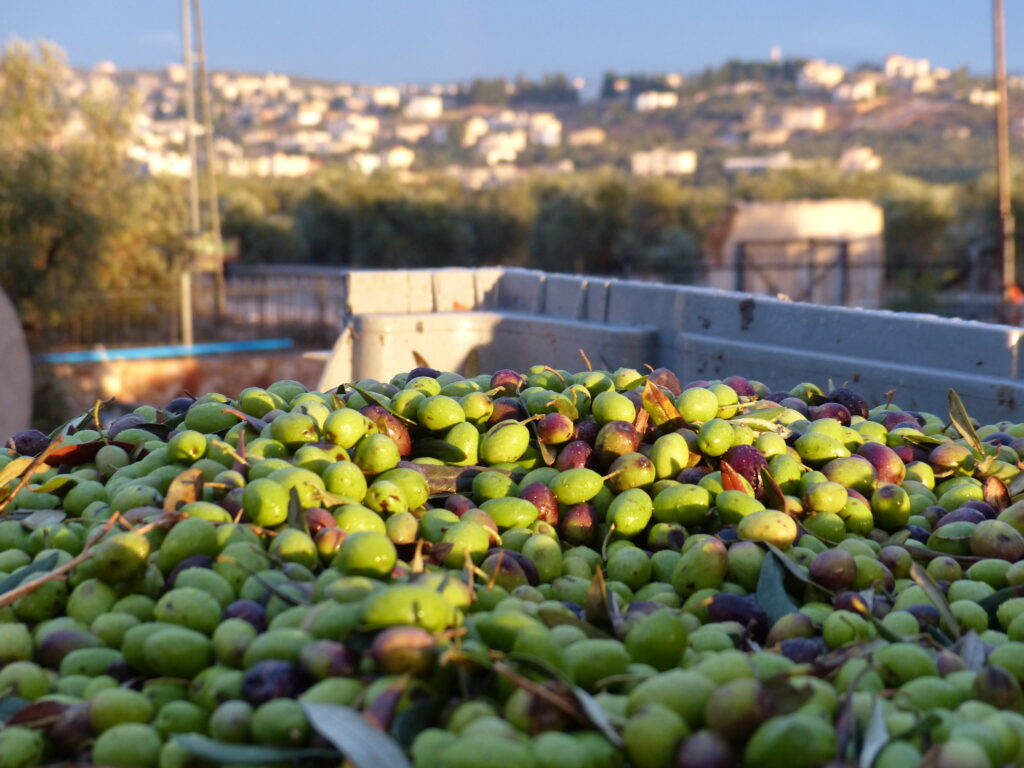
x=1006, y=222
x=211, y=175
x=193, y=181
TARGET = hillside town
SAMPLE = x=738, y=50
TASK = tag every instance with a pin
x=744, y=117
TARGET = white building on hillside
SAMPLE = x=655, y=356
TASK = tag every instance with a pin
x=803, y=118
x=545, y=129
x=474, y=129
x=859, y=160
x=648, y=101
x=664, y=162
x=424, y=108
x=818, y=73
x=898, y=67
x=859, y=89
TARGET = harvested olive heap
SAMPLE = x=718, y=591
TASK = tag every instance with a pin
x=544, y=569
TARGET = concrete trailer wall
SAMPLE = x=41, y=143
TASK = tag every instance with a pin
x=492, y=318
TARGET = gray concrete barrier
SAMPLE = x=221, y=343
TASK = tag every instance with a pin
x=494, y=318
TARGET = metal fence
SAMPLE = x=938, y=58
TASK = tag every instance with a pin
x=307, y=307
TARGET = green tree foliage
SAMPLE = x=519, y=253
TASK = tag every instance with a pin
x=75, y=220
x=552, y=89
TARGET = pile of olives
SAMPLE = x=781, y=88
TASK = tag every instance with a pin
x=533, y=570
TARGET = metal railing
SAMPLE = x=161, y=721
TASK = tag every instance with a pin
x=308, y=308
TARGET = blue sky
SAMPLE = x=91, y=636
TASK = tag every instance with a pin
x=424, y=40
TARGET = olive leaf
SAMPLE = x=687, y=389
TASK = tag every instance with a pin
x=296, y=517
x=416, y=718
x=14, y=468
x=772, y=495
x=596, y=714
x=595, y=605
x=225, y=753
x=374, y=399
x=184, y=489
x=938, y=598
x=58, y=485
x=992, y=602
x=10, y=705
x=793, y=568
x=554, y=618
x=876, y=736
x=79, y=453
x=763, y=425
x=921, y=440
x=593, y=711
x=547, y=453
x=660, y=406
x=846, y=723
x=380, y=713
x=1016, y=485
x=329, y=499
x=959, y=418
x=972, y=650
x=37, y=714
x=731, y=479
x=41, y=518
x=363, y=745
x=771, y=591
x=440, y=449
x=996, y=494
x=15, y=580
x=257, y=424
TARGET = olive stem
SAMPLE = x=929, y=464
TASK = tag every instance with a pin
x=8, y=598
x=29, y=471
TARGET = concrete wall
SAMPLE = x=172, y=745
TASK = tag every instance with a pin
x=513, y=318
x=15, y=373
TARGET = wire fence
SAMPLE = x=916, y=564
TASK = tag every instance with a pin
x=308, y=308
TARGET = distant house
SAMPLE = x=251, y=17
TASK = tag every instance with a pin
x=591, y=136
x=923, y=84
x=860, y=160
x=664, y=162
x=984, y=97
x=474, y=129
x=386, y=96
x=899, y=67
x=775, y=162
x=545, y=129
x=412, y=133
x=648, y=101
x=278, y=164
x=398, y=157
x=819, y=74
x=803, y=118
x=177, y=73
x=366, y=163
x=424, y=108
x=276, y=84
x=768, y=137
x=310, y=113
x=502, y=146
x=859, y=89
